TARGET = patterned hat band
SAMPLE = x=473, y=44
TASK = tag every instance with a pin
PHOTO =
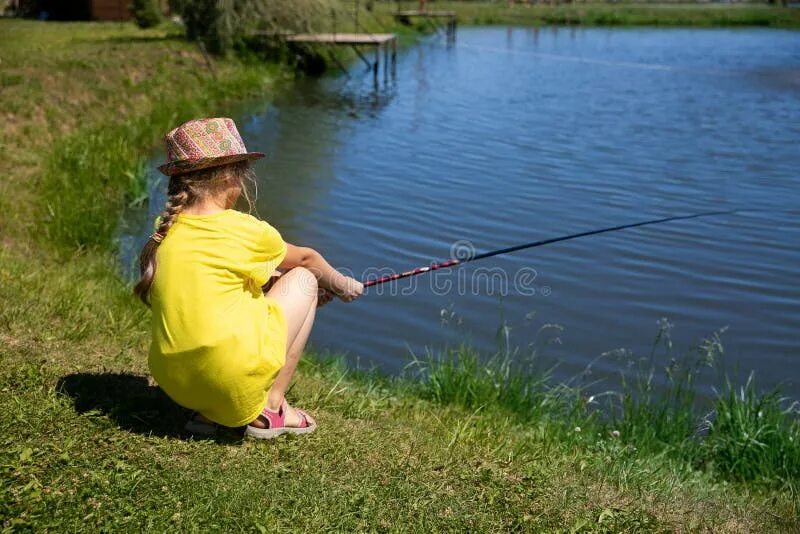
x=203, y=143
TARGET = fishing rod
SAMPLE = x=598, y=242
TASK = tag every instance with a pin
x=454, y=262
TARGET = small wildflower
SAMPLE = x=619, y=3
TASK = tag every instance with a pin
x=577, y=429
x=615, y=433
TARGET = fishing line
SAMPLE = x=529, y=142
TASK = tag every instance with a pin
x=455, y=261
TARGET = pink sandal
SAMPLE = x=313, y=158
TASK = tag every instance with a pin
x=276, y=422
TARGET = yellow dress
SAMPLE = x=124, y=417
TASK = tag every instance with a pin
x=218, y=342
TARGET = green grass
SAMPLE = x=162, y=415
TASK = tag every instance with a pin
x=754, y=437
x=739, y=435
x=618, y=14
x=468, y=443
x=88, y=441
x=95, y=94
x=106, y=161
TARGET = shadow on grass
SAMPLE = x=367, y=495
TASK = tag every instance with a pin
x=133, y=404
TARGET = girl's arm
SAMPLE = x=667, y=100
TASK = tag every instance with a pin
x=342, y=286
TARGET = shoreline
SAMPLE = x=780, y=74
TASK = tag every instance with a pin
x=625, y=14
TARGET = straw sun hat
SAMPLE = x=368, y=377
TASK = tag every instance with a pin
x=203, y=143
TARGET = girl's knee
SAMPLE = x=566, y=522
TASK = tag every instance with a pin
x=305, y=280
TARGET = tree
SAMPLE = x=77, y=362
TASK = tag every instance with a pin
x=146, y=12
x=224, y=24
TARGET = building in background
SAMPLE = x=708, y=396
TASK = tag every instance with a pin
x=109, y=9
x=75, y=9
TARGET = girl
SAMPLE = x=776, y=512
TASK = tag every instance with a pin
x=221, y=346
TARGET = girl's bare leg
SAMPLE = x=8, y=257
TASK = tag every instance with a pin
x=284, y=378
x=296, y=292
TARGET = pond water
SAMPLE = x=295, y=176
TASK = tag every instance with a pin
x=512, y=135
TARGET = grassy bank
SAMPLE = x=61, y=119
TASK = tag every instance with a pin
x=622, y=14
x=88, y=442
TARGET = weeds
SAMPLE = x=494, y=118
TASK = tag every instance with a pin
x=106, y=162
x=753, y=437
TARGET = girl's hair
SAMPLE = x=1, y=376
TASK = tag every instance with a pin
x=183, y=191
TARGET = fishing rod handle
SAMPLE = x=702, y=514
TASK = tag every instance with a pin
x=413, y=272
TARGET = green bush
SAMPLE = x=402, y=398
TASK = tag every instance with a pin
x=146, y=12
x=224, y=25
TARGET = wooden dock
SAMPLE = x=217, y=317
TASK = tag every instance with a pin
x=375, y=39
x=380, y=41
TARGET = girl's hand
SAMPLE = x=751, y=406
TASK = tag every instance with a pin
x=351, y=291
x=324, y=297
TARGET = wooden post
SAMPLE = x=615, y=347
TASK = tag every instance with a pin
x=377, y=59
x=385, y=61
x=394, y=58
x=364, y=59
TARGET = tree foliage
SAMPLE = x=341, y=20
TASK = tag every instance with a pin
x=223, y=25
x=147, y=13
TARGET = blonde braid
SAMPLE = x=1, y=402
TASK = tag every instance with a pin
x=178, y=196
